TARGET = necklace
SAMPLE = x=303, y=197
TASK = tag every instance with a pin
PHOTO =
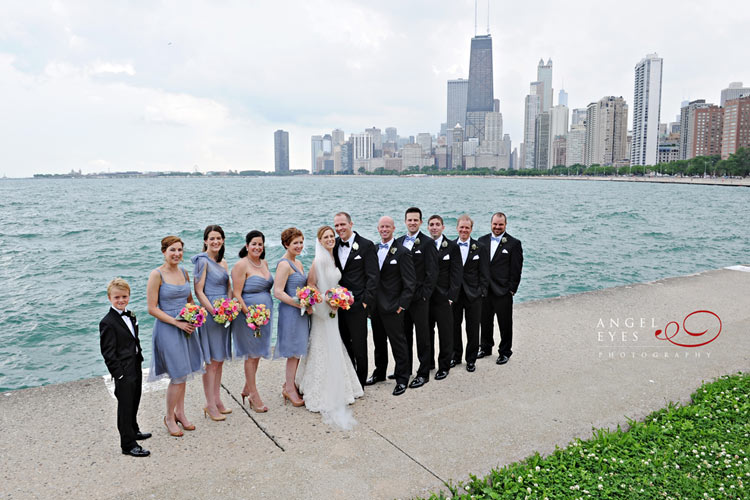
x=253, y=263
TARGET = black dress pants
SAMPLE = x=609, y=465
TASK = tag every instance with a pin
x=388, y=327
x=128, y=394
x=441, y=313
x=417, y=319
x=502, y=309
x=353, y=330
x=472, y=311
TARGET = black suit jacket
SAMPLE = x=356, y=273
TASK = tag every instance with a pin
x=360, y=275
x=119, y=347
x=397, y=279
x=505, y=266
x=424, y=256
x=476, y=270
x=450, y=273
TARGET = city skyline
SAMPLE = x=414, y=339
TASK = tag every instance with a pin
x=95, y=88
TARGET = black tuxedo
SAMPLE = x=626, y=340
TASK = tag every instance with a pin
x=417, y=315
x=360, y=276
x=504, y=275
x=449, y=279
x=123, y=357
x=469, y=301
x=396, y=286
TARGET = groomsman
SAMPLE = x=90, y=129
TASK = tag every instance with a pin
x=394, y=293
x=356, y=259
x=475, y=259
x=417, y=315
x=449, y=279
x=506, y=263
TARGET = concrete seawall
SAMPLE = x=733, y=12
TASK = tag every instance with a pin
x=581, y=361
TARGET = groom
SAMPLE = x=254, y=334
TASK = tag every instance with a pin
x=356, y=259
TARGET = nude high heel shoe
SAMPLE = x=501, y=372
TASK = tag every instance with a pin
x=215, y=419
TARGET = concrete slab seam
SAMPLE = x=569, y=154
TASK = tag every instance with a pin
x=262, y=429
x=410, y=457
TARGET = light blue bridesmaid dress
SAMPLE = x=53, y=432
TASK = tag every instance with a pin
x=215, y=338
x=293, y=329
x=257, y=290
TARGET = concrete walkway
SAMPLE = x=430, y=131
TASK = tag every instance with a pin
x=582, y=361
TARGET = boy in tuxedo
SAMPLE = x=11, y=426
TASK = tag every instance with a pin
x=121, y=349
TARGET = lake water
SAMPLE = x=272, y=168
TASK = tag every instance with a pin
x=63, y=240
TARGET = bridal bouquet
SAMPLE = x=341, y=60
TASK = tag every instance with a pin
x=257, y=316
x=193, y=314
x=308, y=296
x=339, y=298
x=225, y=311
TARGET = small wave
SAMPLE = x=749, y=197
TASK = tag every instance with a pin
x=75, y=231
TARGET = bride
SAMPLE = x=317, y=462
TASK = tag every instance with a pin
x=326, y=375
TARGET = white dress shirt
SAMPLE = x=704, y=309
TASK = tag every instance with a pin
x=128, y=323
x=344, y=251
x=494, y=244
x=383, y=253
x=439, y=241
x=464, y=249
x=409, y=244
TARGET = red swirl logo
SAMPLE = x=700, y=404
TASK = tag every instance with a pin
x=699, y=319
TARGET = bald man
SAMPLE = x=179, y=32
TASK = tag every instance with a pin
x=396, y=284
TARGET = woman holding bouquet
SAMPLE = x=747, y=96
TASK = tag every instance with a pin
x=293, y=326
x=326, y=375
x=176, y=350
x=252, y=282
x=211, y=277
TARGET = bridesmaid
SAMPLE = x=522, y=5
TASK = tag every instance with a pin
x=176, y=350
x=293, y=328
x=252, y=282
x=211, y=278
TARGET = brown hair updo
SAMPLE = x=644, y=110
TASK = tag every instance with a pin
x=289, y=234
x=169, y=241
x=323, y=230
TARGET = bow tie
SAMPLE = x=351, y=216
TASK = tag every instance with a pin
x=382, y=245
x=410, y=238
x=344, y=243
x=463, y=244
x=127, y=313
x=496, y=238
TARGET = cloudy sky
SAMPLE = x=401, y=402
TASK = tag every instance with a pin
x=160, y=85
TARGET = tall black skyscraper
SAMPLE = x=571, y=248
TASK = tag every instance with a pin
x=480, y=96
x=281, y=151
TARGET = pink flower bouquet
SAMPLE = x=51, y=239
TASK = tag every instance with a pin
x=225, y=311
x=257, y=316
x=339, y=298
x=193, y=314
x=308, y=296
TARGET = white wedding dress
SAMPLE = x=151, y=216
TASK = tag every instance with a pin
x=326, y=377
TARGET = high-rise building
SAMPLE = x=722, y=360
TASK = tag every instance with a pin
x=493, y=132
x=562, y=97
x=559, y=147
x=532, y=107
x=736, y=129
x=558, y=117
x=457, y=148
x=496, y=105
x=513, y=161
x=425, y=142
x=391, y=134
x=575, y=145
x=317, y=150
x=327, y=144
x=687, y=128
x=338, y=136
x=544, y=75
x=362, y=146
x=578, y=116
x=734, y=91
x=707, y=125
x=646, y=110
x=506, y=147
x=411, y=156
x=669, y=148
x=347, y=158
x=377, y=141
x=457, y=93
x=281, y=151
x=607, y=132
x=542, y=144
x=480, y=95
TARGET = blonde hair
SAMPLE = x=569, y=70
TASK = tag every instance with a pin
x=118, y=283
x=465, y=217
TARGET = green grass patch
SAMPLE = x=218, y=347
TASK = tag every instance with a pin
x=693, y=451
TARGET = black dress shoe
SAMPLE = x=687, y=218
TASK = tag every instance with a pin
x=140, y=436
x=482, y=353
x=399, y=389
x=392, y=376
x=502, y=359
x=454, y=363
x=470, y=367
x=136, y=451
x=441, y=374
x=418, y=382
x=374, y=379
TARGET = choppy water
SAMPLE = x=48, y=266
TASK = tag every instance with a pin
x=63, y=240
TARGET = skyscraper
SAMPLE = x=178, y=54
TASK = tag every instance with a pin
x=338, y=136
x=542, y=145
x=734, y=91
x=457, y=148
x=281, y=151
x=607, y=132
x=544, y=75
x=562, y=98
x=558, y=117
x=736, y=129
x=687, y=126
x=479, y=96
x=316, y=142
x=532, y=107
x=457, y=92
x=646, y=110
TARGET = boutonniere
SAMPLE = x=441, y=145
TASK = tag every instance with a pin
x=416, y=242
x=393, y=251
x=445, y=244
x=504, y=240
x=473, y=246
x=355, y=246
